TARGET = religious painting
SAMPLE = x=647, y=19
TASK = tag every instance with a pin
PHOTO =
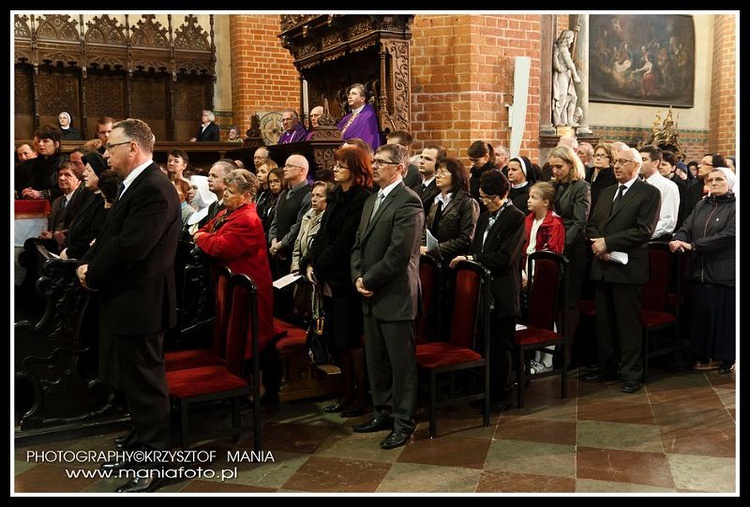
x=642, y=59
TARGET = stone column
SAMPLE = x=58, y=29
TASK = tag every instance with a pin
x=581, y=59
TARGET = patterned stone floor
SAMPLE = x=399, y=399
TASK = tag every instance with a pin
x=677, y=437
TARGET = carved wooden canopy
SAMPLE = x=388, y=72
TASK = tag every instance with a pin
x=333, y=51
x=105, y=42
x=161, y=69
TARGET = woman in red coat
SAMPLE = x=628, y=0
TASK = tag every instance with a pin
x=235, y=238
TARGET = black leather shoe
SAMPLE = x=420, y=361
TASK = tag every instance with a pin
x=115, y=465
x=140, y=485
x=631, y=387
x=598, y=376
x=374, y=424
x=355, y=412
x=126, y=440
x=396, y=438
x=330, y=409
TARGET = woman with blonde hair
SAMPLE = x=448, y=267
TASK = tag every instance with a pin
x=573, y=204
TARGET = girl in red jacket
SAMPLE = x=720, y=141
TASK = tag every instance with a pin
x=544, y=231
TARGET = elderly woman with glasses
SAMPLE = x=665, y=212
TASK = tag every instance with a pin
x=235, y=238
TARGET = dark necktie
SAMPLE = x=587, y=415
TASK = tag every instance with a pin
x=438, y=215
x=423, y=188
x=618, y=197
x=120, y=190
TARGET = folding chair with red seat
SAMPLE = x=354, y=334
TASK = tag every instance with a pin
x=546, y=289
x=216, y=383
x=193, y=358
x=467, y=347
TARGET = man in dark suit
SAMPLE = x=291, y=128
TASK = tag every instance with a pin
x=131, y=268
x=622, y=223
x=208, y=131
x=385, y=271
x=427, y=188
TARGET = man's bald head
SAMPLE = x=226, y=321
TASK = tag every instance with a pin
x=295, y=169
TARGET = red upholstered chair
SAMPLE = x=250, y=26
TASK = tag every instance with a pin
x=546, y=291
x=216, y=383
x=467, y=347
x=655, y=315
x=429, y=319
x=193, y=358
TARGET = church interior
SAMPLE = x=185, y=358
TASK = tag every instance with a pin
x=448, y=79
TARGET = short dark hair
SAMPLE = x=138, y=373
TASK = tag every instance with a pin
x=458, y=171
x=654, y=152
x=49, y=132
x=494, y=182
x=481, y=149
x=404, y=137
x=177, y=152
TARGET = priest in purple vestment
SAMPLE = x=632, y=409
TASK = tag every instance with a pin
x=362, y=122
x=294, y=130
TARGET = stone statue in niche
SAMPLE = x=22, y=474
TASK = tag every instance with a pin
x=564, y=79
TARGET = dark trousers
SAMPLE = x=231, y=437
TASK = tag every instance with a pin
x=391, y=355
x=141, y=360
x=619, y=331
x=712, y=326
x=502, y=332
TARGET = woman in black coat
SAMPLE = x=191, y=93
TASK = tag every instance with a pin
x=327, y=264
x=87, y=223
x=498, y=246
x=453, y=215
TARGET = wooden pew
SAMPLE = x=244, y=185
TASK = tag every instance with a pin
x=55, y=358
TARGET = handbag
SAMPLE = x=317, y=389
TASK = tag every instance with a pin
x=317, y=337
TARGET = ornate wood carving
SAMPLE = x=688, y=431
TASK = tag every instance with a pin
x=333, y=51
x=106, y=51
x=47, y=353
x=399, y=98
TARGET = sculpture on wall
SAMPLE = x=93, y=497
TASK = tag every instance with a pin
x=564, y=79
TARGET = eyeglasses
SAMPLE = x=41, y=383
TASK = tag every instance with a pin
x=601, y=155
x=379, y=161
x=623, y=161
x=339, y=167
x=111, y=146
x=487, y=198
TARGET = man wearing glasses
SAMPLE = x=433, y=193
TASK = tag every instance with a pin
x=622, y=222
x=131, y=268
x=385, y=271
x=294, y=131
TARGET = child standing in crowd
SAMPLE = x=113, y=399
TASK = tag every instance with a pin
x=545, y=230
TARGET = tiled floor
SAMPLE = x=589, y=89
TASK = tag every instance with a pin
x=677, y=436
